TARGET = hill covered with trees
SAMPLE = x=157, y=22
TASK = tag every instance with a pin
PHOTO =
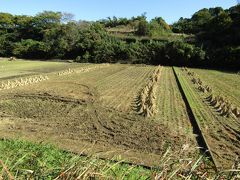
x=210, y=38
x=217, y=32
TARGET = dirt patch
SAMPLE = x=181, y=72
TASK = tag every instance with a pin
x=71, y=118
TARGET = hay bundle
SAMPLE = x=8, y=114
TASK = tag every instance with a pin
x=210, y=98
x=229, y=111
x=194, y=80
x=146, y=101
x=214, y=101
x=208, y=89
x=220, y=105
x=22, y=82
x=184, y=69
x=12, y=59
x=201, y=89
x=199, y=82
x=236, y=112
x=225, y=111
x=142, y=108
x=66, y=72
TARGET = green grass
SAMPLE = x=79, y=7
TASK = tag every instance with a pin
x=24, y=160
x=12, y=69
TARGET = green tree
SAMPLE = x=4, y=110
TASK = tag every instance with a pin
x=143, y=28
x=201, y=19
x=29, y=49
x=6, y=21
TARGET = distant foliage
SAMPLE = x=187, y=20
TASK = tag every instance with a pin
x=143, y=28
x=217, y=32
x=55, y=35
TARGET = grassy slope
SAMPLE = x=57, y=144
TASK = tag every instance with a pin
x=125, y=32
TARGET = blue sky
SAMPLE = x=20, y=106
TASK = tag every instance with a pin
x=170, y=10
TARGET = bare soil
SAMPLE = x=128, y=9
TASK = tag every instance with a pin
x=72, y=116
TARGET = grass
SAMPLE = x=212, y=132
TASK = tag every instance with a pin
x=12, y=69
x=119, y=90
x=25, y=160
x=172, y=110
x=216, y=130
x=223, y=83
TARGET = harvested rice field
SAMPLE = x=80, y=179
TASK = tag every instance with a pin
x=133, y=111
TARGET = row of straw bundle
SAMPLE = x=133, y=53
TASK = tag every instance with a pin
x=146, y=101
x=83, y=69
x=223, y=106
x=22, y=82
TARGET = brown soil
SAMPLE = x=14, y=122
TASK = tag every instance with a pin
x=69, y=115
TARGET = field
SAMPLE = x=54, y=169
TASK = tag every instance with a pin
x=136, y=112
x=226, y=83
x=220, y=129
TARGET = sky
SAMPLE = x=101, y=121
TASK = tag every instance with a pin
x=91, y=10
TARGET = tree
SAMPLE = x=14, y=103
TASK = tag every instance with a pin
x=6, y=21
x=221, y=22
x=67, y=17
x=184, y=25
x=201, y=19
x=162, y=23
x=143, y=28
x=29, y=49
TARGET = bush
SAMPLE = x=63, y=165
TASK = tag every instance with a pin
x=183, y=54
x=30, y=49
x=143, y=28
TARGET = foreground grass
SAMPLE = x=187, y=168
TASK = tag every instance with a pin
x=25, y=160
x=20, y=159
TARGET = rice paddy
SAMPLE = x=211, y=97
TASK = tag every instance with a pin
x=135, y=111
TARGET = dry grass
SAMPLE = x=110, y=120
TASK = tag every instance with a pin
x=83, y=69
x=22, y=82
x=221, y=104
x=146, y=100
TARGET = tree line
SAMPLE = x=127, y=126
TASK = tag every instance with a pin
x=50, y=35
x=217, y=31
